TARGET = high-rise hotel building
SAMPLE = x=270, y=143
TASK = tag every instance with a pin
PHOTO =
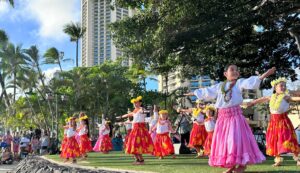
x=97, y=45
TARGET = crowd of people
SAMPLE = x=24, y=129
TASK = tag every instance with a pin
x=17, y=145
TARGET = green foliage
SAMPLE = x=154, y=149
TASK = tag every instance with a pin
x=201, y=37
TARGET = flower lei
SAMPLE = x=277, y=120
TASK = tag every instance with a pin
x=229, y=90
x=196, y=112
x=276, y=100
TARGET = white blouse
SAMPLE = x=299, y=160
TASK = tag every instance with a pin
x=71, y=132
x=199, y=118
x=162, y=127
x=83, y=131
x=284, y=107
x=214, y=92
x=209, y=125
x=139, y=117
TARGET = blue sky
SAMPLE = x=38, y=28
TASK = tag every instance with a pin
x=40, y=23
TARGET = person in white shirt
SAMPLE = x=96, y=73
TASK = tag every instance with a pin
x=163, y=145
x=103, y=143
x=198, y=134
x=280, y=137
x=233, y=144
x=139, y=140
x=72, y=148
x=209, y=124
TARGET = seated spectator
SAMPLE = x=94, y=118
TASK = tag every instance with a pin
x=6, y=156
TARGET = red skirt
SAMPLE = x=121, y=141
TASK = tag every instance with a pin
x=105, y=144
x=85, y=144
x=72, y=149
x=163, y=145
x=207, y=144
x=198, y=135
x=281, y=136
x=139, y=140
x=126, y=138
x=63, y=146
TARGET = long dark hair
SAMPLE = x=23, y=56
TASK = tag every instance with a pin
x=86, y=121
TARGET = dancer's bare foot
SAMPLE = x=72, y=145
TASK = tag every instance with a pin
x=298, y=163
x=160, y=158
x=66, y=160
x=276, y=164
x=230, y=170
x=240, y=169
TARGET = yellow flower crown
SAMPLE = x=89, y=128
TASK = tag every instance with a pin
x=211, y=108
x=71, y=118
x=163, y=112
x=67, y=120
x=83, y=118
x=277, y=81
x=139, y=98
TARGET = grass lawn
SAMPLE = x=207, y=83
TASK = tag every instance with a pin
x=182, y=164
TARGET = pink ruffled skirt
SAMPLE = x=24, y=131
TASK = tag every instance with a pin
x=233, y=142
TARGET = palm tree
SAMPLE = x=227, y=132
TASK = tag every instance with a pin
x=75, y=32
x=14, y=60
x=53, y=56
x=3, y=44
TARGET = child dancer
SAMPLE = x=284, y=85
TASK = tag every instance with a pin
x=72, y=149
x=103, y=143
x=209, y=124
x=281, y=137
x=85, y=144
x=163, y=145
x=139, y=140
x=153, y=122
x=233, y=143
x=65, y=139
x=198, y=133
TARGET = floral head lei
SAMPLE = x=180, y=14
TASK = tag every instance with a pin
x=134, y=100
x=163, y=112
x=276, y=99
x=83, y=118
x=209, y=108
x=277, y=81
x=227, y=93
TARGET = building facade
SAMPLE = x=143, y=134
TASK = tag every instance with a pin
x=96, y=44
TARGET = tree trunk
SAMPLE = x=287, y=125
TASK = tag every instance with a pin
x=2, y=82
x=76, y=53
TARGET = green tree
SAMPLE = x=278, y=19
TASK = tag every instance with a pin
x=75, y=32
x=53, y=56
x=201, y=37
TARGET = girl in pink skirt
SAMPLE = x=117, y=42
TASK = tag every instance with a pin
x=233, y=144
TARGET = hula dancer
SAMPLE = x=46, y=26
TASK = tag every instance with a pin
x=72, y=149
x=103, y=143
x=139, y=140
x=85, y=144
x=209, y=124
x=198, y=134
x=281, y=136
x=163, y=145
x=233, y=144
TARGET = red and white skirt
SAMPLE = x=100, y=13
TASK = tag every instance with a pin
x=85, y=144
x=72, y=149
x=139, y=140
x=163, y=145
x=281, y=137
x=198, y=135
x=105, y=143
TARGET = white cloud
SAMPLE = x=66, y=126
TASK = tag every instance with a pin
x=4, y=8
x=50, y=15
x=49, y=73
